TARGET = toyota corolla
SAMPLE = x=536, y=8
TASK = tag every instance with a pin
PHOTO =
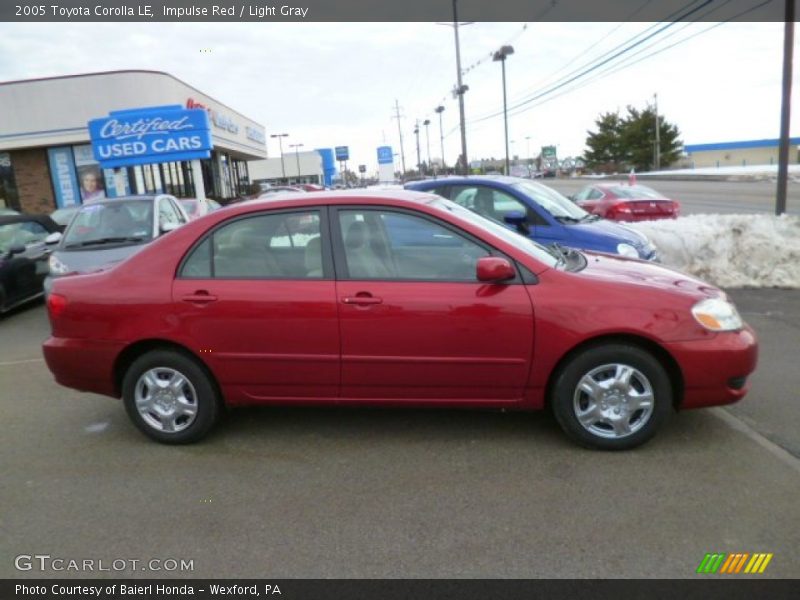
x=394, y=299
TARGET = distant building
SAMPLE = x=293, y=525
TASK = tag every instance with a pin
x=737, y=154
x=302, y=167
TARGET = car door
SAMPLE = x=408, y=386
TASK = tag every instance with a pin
x=258, y=299
x=416, y=325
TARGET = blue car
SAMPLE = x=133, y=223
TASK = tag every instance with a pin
x=539, y=212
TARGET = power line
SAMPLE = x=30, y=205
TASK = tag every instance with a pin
x=586, y=71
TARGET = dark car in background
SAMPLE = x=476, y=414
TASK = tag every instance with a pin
x=540, y=213
x=104, y=233
x=23, y=257
x=620, y=202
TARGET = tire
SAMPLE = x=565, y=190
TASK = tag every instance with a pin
x=170, y=397
x=600, y=397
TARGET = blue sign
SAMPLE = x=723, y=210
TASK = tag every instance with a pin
x=342, y=152
x=150, y=135
x=385, y=156
x=62, y=171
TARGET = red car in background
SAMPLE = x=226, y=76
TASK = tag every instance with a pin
x=392, y=299
x=621, y=202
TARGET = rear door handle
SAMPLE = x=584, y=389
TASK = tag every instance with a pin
x=199, y=298
x=362, y=300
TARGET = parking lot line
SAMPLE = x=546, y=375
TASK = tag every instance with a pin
x=737, y=424
x=20, y=362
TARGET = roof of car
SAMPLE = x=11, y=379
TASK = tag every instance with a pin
x=342, y=197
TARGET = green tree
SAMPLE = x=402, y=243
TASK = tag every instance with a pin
x=622, y=143
x=639, y=139
x=605, y=147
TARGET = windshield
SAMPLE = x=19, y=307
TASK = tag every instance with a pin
x=636, y=192
x=557, y=205
x=20, y=234
x=111, y=222
x=522, y=242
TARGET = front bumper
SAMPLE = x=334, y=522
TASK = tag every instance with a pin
x=715, y=371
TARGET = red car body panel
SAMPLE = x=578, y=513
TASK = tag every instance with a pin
x=629, y=209
x=414, y=343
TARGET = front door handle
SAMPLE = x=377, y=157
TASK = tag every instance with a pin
x=199, y=297
x=362, y=300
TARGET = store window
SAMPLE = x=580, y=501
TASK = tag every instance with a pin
x=9, y=198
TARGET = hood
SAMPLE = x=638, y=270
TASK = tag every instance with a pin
x=96, y=259
x=606, y=267
x=614, y=232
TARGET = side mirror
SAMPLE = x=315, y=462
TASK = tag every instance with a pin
x=53, y=238
x=494, y=269
x=167, y=227
x=519, y=220
x=15, y=249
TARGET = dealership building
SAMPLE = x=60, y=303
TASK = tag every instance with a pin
x=47, y=162
x=739, y=154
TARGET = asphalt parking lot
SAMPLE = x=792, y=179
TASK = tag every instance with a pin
x=389, y=493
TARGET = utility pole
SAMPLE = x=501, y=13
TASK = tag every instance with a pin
x=460, y=91
x=783, y=150
x=419, y=159
x=440, y=110
x=400, y=131
x=657, y=157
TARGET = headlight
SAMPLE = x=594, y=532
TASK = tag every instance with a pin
x=716, y=314
x=56, y=266
x=627, y=250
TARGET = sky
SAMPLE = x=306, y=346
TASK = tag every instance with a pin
x=335, y=84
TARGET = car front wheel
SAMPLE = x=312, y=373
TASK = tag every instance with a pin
x=170, y=397
x=612, y=397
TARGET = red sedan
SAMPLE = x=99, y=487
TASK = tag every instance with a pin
x=620, y=202
x=394, y=299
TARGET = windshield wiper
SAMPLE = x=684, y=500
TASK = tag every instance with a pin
x=567, y=218
x=106, y=240
x=589, y=217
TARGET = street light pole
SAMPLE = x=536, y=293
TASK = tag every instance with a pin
x=419, y=159
x=280, y=137
x=501, y=55
x=427, y=122
x=440, y=110
x=297, y=156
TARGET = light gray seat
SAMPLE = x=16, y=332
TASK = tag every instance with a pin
x=364, y=259
x=313, y=257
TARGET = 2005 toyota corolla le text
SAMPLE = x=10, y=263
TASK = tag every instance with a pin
x=393, y=299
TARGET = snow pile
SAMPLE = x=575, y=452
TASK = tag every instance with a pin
x=730, y=250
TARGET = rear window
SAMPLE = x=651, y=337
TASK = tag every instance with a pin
x=636, y=192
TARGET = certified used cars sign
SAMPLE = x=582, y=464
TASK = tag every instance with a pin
x=149, y=135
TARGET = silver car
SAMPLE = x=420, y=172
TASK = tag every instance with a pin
x=104, y=233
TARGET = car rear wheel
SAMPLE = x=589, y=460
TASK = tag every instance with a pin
x=612, y=397
x=170, y=397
